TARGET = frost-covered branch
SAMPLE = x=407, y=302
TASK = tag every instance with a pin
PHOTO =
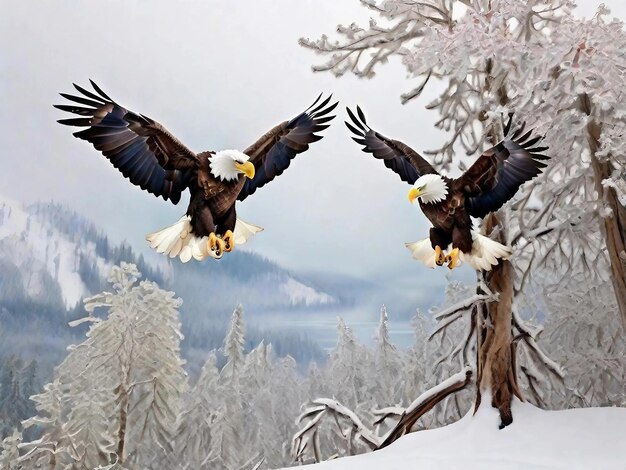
x=308, y=436
x=425, y=402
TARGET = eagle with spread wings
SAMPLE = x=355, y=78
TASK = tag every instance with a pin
x=449, y=203
x=150, y=157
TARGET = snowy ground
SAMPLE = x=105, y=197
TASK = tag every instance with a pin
x=585, y=439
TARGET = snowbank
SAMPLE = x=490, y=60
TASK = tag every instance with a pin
x=585, y=439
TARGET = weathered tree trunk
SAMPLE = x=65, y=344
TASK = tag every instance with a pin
x=613, y=226
x=121, y=435
x=495, y=363
x=496, y=370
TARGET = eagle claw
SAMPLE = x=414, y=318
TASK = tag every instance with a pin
x=453, y=258
x=216, y=245
x=440, y=257
x=229, y=241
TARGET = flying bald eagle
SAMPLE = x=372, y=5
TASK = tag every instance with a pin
x=449, y=203
x=152, y=158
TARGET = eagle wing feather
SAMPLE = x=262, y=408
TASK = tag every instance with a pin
x=499, y=172
x=397, y=156
x=140, y=148
x=273, y=152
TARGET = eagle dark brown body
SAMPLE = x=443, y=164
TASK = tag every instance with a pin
x=212, y=204
x=451, y=222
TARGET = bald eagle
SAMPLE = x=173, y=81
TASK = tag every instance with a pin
x=148, y=155
x=450, y=203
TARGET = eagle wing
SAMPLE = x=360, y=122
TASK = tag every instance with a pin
x=141, y=148
x=500, y=171
x=273, y=152
x=399, y=157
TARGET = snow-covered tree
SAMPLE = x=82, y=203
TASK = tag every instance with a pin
x=348, y=370
x=123, y=404
x=387, y=366
x=9, y=451
x=234, y=343
x=584, y=334
x=17, y=383
x=239, y=415
x=54, y=444
x=193, y=437
x=560, y=73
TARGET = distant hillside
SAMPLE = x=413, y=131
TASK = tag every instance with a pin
x=50, y=244
x=51, y=258
x=49, y=240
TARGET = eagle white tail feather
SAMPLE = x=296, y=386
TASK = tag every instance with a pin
x=485, y=252
x=177, y=240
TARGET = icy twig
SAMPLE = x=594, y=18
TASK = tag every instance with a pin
x=464, y=304
x=386, y=413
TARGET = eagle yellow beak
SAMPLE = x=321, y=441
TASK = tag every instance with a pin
x=246, y=168
x=414, y=193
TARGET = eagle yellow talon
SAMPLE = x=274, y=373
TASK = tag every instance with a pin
x=453, y=258
x=229, y=241
x=439, y=256
x=216, y=245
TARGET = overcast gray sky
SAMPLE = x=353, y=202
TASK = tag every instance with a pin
x=217, y=74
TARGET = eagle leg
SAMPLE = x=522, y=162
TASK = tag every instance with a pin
x=229, y=241
x=216, y=244
x=453, y=258
x=440, y=257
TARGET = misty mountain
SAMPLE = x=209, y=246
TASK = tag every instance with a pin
x=51, y=258
x=47, y=241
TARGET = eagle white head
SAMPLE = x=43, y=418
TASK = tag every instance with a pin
x=429, y=188
x=227, y=165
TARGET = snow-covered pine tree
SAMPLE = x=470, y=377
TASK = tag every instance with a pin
x=124, y=403
x=417, y=359
x=9, y=451
x=87, y=427
x=584, y=334
x=234, y=343
x=285, y=395
x=388, y=366
x=29, y=385
x=347, y=378
x=158, y=379
x=193, y=438
x=17, y=383
x=348, y=372
x=256, y=403
x=227, y=427
x=54, y=446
